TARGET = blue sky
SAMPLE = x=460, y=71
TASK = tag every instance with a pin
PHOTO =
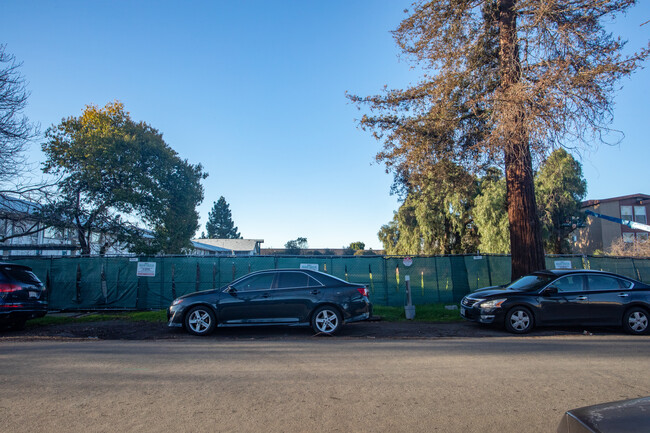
x=255, y=92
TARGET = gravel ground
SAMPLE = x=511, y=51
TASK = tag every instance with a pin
x=130, y=330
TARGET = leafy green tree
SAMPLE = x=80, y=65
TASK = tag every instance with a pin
x=560, y=189
x=110, y=165
x=490, y=214
x=295, y=246
x=357, y=246
x=435, y=218
x=505, y=81
x=182, y=193
x=220, y=224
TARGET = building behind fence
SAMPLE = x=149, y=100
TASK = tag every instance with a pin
x=112, y=283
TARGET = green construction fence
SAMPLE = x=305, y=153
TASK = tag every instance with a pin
x=113, y=283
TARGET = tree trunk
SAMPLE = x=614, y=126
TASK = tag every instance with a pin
x=526, y=245
x=83, y=243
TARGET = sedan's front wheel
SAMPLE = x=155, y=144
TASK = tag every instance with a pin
x=200, y=321
x=519, y=320
x=635, y=321
x=326, y=320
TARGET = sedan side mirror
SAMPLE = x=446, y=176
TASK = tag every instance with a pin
x=231, y=290
x=549, y=291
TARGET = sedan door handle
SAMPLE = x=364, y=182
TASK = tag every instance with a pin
x=315, y=292
x=581, y=298
x=623, y=295
x=266, y=295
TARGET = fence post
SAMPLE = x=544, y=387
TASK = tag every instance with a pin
x=103, y=283
x=77, y=298
x=435, y=267
x=198, y=277
x=636, y=270
x=489, y=269
x=173, y=281
x=385, y=281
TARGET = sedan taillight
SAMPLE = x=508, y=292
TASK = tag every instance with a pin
x=363, y=291
x=6, y=288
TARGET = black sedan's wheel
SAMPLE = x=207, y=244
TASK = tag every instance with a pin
x=635, y=321
x=200, y=321
x=326, y=320
x=519, y=320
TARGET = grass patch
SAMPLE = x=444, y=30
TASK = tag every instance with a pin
x=423, y=313
x=147, y=316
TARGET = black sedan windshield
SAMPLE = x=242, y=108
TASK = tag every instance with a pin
x=530, y=283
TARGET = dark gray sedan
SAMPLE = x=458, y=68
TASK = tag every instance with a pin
x=571, y=297
x=627, y=416
x=294, y=297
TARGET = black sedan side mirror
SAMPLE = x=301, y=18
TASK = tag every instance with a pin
x=231, y=290
x=549, y=291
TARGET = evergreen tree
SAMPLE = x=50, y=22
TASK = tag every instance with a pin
x=559, y=189
x=220, y=224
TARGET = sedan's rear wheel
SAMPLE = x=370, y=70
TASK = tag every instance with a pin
x=326, y=320
x=635, y=321
x=200, y=321
x=519, y=320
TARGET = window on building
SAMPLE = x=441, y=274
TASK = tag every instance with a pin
x=53, y=233
x=642, y=237
x=640, y=215
x=626, y=213
x=628, y=237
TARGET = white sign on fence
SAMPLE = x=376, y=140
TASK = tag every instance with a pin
x=563, y=264
x=146, y=269
x=309, y=266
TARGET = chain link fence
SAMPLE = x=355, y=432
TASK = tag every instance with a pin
x=113, y=283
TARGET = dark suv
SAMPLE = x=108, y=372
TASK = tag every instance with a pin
x=22, y=295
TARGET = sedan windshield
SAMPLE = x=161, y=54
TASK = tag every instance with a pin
x=530, y=283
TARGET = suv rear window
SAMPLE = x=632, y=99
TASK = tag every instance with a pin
x=21, y=274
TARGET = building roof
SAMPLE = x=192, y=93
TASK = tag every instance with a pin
x=596, y=202
x=9, y=204
x=226, y=245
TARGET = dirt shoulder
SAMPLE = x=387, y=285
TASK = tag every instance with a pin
x=130, y=330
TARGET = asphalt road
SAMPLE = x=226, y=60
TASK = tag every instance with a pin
x=505, y=384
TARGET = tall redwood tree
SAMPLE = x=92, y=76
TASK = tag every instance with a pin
x=506, y=82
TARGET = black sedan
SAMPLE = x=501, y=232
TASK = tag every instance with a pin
x=22, y=295
x=575, y=297
x=295, y=297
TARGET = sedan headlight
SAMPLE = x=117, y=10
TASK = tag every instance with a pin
x=176, y=302
x=492, y=304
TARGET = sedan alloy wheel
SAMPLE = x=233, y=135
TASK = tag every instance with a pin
x=200, y=321
x=326, y=320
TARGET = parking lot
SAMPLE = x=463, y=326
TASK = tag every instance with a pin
x=300, y=383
